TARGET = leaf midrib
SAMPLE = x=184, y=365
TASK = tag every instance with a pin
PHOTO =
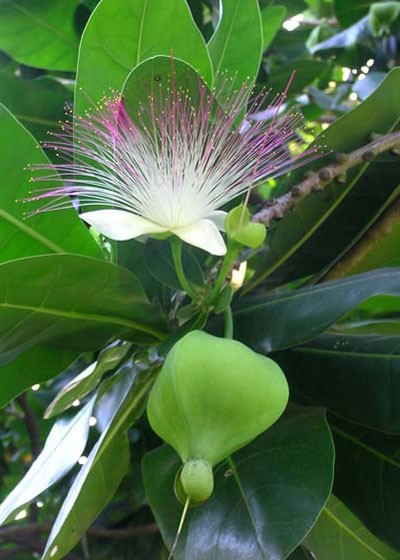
x=347, y=530
x=92, y=317
x=30, y=232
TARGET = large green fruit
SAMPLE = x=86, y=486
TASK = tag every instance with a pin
x=211, y=397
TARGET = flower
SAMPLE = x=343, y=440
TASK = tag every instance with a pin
x=170, y=166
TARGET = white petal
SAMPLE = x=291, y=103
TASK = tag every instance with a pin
x=120, y=225
x=203, y=234
x=218, y=217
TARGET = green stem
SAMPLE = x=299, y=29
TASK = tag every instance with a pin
x=229, y=259
x=228, y=332
x=176, y=247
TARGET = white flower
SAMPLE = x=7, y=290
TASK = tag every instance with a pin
x=168, y=168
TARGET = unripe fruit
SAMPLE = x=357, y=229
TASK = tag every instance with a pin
x=212, y=397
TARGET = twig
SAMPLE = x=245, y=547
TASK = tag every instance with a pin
x=316, y=182
x=30, y=423
x=34, y=436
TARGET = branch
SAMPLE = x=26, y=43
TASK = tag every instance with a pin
x=276, y=208
x=30, y=423
x=18, y=532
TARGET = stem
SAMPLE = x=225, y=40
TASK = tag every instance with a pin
x=230, y=257
x=180, y=527
x=277, y=208
x=228, y=332
x=176, y=248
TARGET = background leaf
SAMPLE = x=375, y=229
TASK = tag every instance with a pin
x=21, y=237
x=122, y=33
x=275, y=322
x=231, y=55
x=339, y=535
x=355, y=376
x=50, y=39
x=73, y=301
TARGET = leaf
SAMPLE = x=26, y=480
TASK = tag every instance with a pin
x=87, y=380
x=265, y=500
x=73, y=301
x=357, y=377
x=160, y=263
x=326, y=224
x=36, y=365
x=346, y=38
x=368, y=477
x=339, y=535
x=306, y=71
x=272, y=18
x=268, y=323
x=64, y=445
x=50, y=40
x=43, y=233
x=38, y=104
x=122, y=33
x=100, y=476
x=236, y=46
x=350, y=12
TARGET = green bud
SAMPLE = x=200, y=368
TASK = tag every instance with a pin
x=239, y=228
x=197, y=480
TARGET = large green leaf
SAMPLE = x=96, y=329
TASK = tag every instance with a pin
x=237, y=43
x=63, y=447
x=357, y=377
x=266, y=498
x=122, y=33
x=268, y=323
x=107, y=463
x=36, y=365
x=324, y=225
x=368, y=477
x=339, y=535
x=46, y=232
x=40, y=34
x=71, y=301
x=37, y=104
x=350, y=12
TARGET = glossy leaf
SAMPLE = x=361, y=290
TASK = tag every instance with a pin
x=268, y=323
x=357, y=377
x=43, y=233
x=87, y=380
x=122, y=33
x=101, y=474
x=230, y=54
x=50, y=39
x=306, y=71
x=272, y=18
x=346, y=38
x=275, y=479
x=60, y=454
x=326, y=224
x=38, y=104
x=368, y=477
x=73, y=301
x=339, y=535
x=36, y=365
x=350, y=12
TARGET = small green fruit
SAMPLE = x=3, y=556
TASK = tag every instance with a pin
x=197, y=479
x=239, y=228
x=212, y=397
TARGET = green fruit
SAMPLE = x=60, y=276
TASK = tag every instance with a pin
x=212, y=397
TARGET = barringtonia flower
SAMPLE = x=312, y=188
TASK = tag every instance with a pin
x=170, y=167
